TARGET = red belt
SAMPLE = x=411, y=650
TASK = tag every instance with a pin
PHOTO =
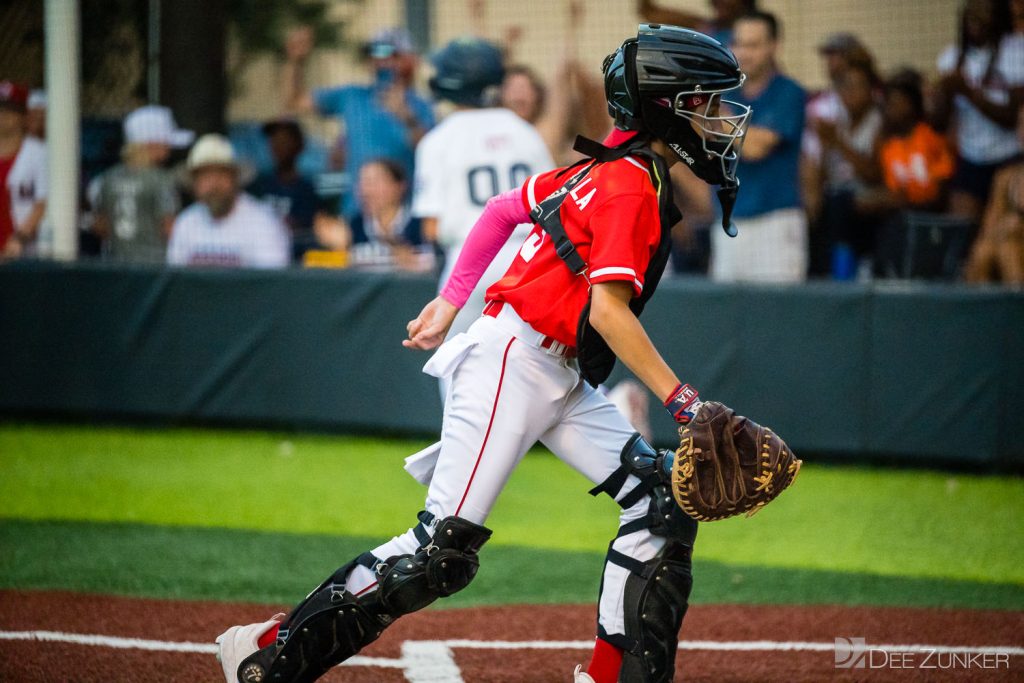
x=494, y=307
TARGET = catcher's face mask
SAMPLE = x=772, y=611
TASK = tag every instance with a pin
x=721, y=125
x=705, y=132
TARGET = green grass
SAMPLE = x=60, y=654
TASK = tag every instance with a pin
x=222, y=564
x=844, y=520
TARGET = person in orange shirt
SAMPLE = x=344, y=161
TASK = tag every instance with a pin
x=916, y=161
x=916, y=165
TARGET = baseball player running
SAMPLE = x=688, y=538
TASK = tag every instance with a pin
x=526, y=371
x=475, y=153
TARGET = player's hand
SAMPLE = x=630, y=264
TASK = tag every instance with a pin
x=427, y=331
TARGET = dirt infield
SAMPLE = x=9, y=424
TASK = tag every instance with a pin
x=43, y=637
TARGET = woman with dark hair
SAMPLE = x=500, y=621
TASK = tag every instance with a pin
x=848, y=169
x=982, y=88
x=575, y=105
x=383, y=234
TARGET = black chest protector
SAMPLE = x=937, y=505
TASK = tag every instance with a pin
x=595, y=358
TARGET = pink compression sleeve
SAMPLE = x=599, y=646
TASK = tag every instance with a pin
x=500, y=217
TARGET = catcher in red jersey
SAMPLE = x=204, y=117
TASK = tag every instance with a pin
x=526, y=372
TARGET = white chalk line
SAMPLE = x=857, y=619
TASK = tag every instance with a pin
x=432, y=661
x=456, y=644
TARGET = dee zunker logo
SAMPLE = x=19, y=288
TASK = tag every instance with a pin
x=855, y=653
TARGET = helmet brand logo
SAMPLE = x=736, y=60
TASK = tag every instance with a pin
x=682, y=153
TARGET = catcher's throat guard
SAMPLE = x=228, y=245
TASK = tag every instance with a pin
x=727, y=464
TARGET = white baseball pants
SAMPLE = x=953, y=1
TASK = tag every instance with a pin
x=506, y=394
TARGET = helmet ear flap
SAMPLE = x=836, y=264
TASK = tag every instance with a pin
x=621, y=89
x=629, y=49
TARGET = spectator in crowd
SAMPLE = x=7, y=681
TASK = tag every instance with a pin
x=772, y=241
x=224, y=227
x=290, y=194
x=849, y=168
x=136, y=201
x=998, y=253
x=36, y=121
x=838, y=51
x=982, y=87
x=524, y=93
x=384, y=233
x=23, y=176
x=916, y=160
x=385, y=118
x=916, y=165
x=575, y=107
x=725, y=13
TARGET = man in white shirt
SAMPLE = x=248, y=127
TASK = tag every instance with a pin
x=476, y=152
x=225, y=227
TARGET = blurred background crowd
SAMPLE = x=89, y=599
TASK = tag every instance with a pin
x=885, y=142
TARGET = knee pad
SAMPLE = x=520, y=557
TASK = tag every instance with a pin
x=445, y=565
x=332, y=624
x=654, y=470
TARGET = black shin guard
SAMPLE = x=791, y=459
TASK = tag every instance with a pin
x=655, y=604
x=656, y=591
x=332, y=624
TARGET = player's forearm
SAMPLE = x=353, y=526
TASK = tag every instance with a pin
x=611, y=316
x=495, y=225
x=296, y=97
x=1004, y=115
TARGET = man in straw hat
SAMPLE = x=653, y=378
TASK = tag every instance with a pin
x=225, y=226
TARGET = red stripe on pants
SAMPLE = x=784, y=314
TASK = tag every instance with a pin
x=494, y=410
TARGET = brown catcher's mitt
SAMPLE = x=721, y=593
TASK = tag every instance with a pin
x=727, y=464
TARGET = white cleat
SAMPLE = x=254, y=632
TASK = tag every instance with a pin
x=238, y=642
x=581, y=676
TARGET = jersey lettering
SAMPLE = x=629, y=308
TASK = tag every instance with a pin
x=484, y=181
x=531, y=246
x=581, y=203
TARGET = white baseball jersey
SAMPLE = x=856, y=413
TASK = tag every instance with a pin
x=250, y=236
x=471, y=156
x=27, y=180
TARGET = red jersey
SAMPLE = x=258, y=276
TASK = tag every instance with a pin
x=612, y=218
x=6, y=218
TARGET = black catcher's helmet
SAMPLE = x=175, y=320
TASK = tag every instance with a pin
x=468, y=71
x=668, y=82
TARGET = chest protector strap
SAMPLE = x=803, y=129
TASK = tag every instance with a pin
x=595, y=358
